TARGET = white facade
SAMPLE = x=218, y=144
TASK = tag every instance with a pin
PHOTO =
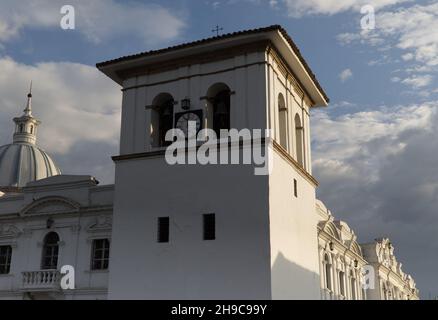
x=391, y=283
x=190, y=231
x=266, y=236
x=74, y=208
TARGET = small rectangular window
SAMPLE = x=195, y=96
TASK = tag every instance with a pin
x=163, y=229
x=296, y=188
x=5, y=259
x=100, y=254
x=209, y=226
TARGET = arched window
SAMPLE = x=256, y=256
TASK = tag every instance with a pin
x=219, y=98
x=161, y=119
x=328, y=272
x=342, y=283
x=21, y=128
x=283, y=125
x=299, y=140
x=31, y=129
x=353, y=286
x=50, y=251
x=221, y=112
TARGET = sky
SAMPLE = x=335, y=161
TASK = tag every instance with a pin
x=374, y=148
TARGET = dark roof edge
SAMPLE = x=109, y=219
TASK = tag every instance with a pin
x=279, y=28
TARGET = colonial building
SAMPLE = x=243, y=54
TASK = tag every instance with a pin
x=340, y=257
x=196, y=231
x=391, y=283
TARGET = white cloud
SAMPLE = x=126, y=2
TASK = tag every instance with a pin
x=77, y=105
x=347, y=37
x=97, y=20
x=415, y=28
x=298, y=8
x=418, y=81
x=273, y=3
x=344, y=137
x=407, y=56
x=345, y=75
x=414, y=31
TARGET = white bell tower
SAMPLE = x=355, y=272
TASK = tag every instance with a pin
x=216, y=231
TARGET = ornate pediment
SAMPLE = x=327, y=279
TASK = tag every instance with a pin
x=385, y=253
x=9, y=231
x=101, y=224
x=51, y=205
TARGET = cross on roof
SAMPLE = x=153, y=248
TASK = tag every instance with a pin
x=217, y=29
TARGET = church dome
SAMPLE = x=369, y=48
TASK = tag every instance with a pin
x=23, y=161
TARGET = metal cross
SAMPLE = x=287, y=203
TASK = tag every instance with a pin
x=217, y=30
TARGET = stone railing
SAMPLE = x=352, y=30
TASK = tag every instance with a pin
x=42, y=280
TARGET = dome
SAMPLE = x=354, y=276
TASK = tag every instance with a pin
x=24, y=163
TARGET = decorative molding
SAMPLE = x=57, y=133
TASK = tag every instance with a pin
x=50, y=205
x=101, y=224
x=75, y=229
x=8, y=231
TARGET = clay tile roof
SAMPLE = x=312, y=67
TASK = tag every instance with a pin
x=222, y=37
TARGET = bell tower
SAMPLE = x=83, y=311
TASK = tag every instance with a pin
x=26, y=125
x=216, y=231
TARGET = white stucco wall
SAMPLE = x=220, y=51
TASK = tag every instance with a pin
x=293, y=234
x=234, y=266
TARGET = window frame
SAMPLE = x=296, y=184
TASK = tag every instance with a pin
x=104, y=258
x=54, y=252
x=5, y=268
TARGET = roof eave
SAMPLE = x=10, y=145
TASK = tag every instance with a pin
x=276, y=34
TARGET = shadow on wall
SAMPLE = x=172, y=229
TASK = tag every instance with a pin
x=293, y=282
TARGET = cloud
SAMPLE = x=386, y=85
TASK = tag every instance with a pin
x=377, y=171
x=418, y=81
x=78, y=106
x=345, y=75
x=273, y=4
x=298, y=8
x=407, y=56
x=97, y=20
x=216, y=4
x=411, y=30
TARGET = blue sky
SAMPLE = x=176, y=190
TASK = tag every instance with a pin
x=374, y=147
